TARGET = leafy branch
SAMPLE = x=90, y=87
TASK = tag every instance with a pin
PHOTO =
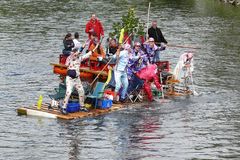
x=130, y=23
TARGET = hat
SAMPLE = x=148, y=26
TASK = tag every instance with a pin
x=127, y=46
x=151, y=39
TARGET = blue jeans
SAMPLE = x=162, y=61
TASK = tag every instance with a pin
x=121, y=79
x=156, y=57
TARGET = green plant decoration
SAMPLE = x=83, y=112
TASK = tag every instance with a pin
x=130, y=23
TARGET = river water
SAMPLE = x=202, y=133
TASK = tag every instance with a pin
x=196, y=127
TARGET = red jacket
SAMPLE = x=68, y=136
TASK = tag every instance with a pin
x=96, y=26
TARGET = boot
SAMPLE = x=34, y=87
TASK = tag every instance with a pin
x=115, y=98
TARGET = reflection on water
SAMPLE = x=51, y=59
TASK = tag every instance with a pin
x=203, y=127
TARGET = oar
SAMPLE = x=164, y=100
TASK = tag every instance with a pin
x=98, y=44
x=193, y=87
x=161, y=85
x=87, y=41
x=127, y=38
x=149, y=5
x=100, y=72
x=181, y=46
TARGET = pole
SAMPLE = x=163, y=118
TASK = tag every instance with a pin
x=100, y=72
x=182, y=46
x=161, y=85
x=149, y=5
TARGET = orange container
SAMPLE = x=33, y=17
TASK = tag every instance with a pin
x=60, y=70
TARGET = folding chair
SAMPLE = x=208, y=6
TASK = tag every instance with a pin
x=97, y=92
x=136, y=94
x=60, y=92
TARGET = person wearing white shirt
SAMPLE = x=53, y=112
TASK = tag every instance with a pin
x=76, y=42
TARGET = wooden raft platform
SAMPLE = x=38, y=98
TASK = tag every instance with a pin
x=55, y=113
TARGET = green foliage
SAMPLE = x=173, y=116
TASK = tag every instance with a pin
x=130, y=23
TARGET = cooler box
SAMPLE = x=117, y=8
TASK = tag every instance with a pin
x=73, y=107
x=104, y=103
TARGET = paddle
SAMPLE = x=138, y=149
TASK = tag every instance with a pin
x=98, y=44
x=100, y=72
x=161, y=85
x=180, y=46
x=149, y=5
x=193, y=87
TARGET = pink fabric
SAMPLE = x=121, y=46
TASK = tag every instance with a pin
x=148, y=74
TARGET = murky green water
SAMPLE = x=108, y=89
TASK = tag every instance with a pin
x=203, y=127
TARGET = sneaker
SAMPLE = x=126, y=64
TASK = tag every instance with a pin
x=83, y=109
x=50, y=107
x=123, y=100
x=116, y=102
x=63, y=111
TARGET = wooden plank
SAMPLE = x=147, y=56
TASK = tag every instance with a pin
x=58, y=65
x=55, y=113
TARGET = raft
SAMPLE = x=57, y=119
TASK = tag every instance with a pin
x=55, y=113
